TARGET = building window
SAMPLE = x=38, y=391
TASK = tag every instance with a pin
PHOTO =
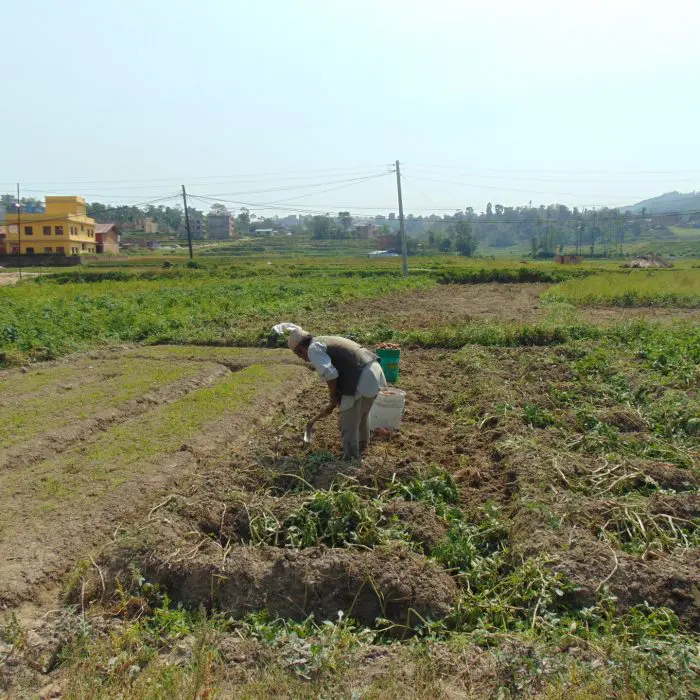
x=82, y=228
x=30, y=251
x=59, y=230
x=48, y=250
x=60, y=250
x=83, y=246
x=28, y=231
x=14, y=250
x=47, y=230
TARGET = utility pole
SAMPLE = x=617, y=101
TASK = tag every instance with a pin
x=187, y=222
x=19, y=234
x=402, y=228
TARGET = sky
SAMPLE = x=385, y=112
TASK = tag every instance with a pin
x=304, y=105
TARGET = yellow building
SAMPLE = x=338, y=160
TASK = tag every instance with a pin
x=64, y=228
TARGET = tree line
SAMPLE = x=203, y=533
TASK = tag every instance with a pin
x=546, y=230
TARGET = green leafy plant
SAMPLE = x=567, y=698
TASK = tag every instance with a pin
x=436, y=486
x=537, y=417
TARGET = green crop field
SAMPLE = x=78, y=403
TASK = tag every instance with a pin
x=531, y=531
x=632, y=288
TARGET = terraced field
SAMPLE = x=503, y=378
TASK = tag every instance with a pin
x=88, y=444
x=531, y=531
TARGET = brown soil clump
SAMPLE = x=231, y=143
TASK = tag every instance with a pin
x=395, y=585
x=420, y=520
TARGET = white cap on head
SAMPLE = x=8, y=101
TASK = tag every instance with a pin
x=296, y=333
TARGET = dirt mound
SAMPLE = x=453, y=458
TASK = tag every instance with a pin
x=669, y=579
x=648, y=261
x=395, y=585
x=660, y=580
x=420, y=520
x=668, y=476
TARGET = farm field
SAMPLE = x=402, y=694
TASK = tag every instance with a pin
x=531, y=531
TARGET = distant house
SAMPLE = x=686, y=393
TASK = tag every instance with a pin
x=150, y=226
x=568, y=259
x=364, y=231
x=265, y=231
x=62, y=229
x=387, y=241
x=198, y=225
x=107, y=238
x=664, y=220
x=221, y=226
x=383, y=254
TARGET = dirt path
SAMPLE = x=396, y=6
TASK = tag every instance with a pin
x=8, y=278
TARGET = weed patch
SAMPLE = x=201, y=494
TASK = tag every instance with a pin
x=336, y=518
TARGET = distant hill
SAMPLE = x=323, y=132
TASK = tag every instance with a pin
x=666, y=203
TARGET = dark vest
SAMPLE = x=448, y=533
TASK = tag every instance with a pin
x=348, y=358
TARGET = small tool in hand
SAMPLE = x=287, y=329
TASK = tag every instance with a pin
x=309, y=431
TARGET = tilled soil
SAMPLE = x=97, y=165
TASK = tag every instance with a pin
x=40, y=541
x=455, y=304
x=194, y=537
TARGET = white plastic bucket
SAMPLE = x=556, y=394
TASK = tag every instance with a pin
x=387, y=409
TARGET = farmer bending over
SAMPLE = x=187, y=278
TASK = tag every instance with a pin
x=354, y=378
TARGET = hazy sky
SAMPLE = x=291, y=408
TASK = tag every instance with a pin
x=584, y=102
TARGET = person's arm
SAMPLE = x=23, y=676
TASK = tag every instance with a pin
x=333, y=391
x=323, y=364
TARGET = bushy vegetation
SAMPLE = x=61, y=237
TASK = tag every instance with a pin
x=47, y=319
x=511, y=275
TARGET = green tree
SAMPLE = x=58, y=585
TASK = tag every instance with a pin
x=345, y=221
x=219, y=209
x=243, y=221
x=322, y=228
x=434, y=238
x=464, y=240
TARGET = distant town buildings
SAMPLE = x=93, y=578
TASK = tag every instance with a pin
x=63, y=228
x=221, y=227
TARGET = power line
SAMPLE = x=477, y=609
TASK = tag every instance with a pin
x=243, y=192
x=291, y=210
x=556, y=179
x=332, y=189
x=575, y=172
x=425, y=196
x=298, y=187
x=514, y=189
x=242, y=177
x=275, y=204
